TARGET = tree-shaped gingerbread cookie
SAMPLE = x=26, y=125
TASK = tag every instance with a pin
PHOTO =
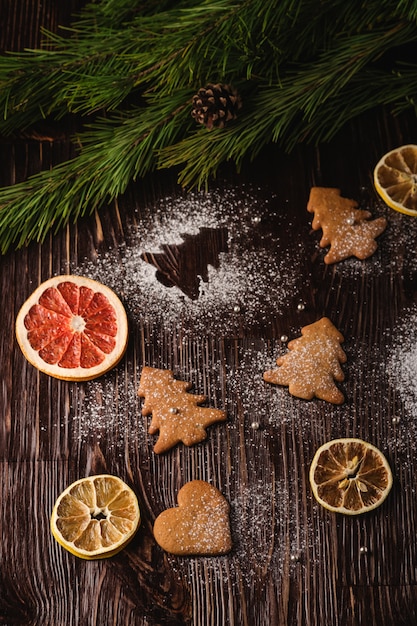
x=346, y=229
x=176, y=414
x=312, y=364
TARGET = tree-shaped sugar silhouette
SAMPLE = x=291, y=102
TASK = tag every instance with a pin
x=185, y=265
x=176, y=414
x=312, y=363
x=347, y=229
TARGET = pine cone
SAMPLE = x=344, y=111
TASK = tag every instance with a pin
x=215, y=105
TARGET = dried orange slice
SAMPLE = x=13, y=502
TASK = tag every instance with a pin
x=72, y=328
x=350, y=476
x=395, y=179
x=95, y=517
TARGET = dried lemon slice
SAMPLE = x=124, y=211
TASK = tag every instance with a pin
x=350, y=476
x=95, y=517
x=395, y=179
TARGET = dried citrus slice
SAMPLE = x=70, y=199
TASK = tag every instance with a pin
x=72, y=328
x=350, y=476
x=95, y=517
x=395, y=179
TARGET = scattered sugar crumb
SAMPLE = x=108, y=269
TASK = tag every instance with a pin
x=106, y=410
x=401, y=369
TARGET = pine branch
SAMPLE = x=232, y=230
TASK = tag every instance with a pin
x=113, y=151
x=301, y=73
x=95, y=70
x=311, y=104
x=99, y=64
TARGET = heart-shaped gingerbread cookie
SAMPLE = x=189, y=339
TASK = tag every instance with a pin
x=199, y=525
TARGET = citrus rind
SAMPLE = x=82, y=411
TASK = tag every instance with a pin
x=350, y=476
x=95, y=517
x=112, y=354
x=395, y=179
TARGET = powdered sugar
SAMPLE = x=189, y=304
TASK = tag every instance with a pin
x=249, y=285
x=402, y=363
x=105, y=410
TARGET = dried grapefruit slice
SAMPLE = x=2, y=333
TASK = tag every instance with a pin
x=350, y=476
x=395, y=179
x=72, y=328
x=95, y=517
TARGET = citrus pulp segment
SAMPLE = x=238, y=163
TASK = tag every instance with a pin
x=95, y=517
x=350, y=476
x=395, y=179
x=72, y=328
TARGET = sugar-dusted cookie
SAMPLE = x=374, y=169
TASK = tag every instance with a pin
x=346, y=229
x=312, y=363
x=199, y=525
x=176, y=414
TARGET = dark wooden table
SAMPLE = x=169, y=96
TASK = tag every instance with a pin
x=239, y=284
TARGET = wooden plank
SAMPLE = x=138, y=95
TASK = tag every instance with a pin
x=291, y=558
x=293, y=563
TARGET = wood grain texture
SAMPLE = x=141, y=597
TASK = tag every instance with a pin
x=293, y=563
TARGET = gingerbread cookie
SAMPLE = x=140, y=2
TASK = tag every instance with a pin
x=199, y=525
x=176, y=414
x=346, y=229
x=312, y=363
